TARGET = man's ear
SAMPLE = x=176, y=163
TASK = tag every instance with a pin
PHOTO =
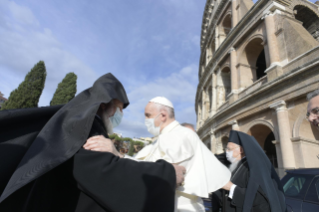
x=163, y=115
x=242, y=150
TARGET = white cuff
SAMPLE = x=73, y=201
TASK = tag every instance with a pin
x=231, y=191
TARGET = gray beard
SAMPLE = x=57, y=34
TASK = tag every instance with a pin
x=233, y=166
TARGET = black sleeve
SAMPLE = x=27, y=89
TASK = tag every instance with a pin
x=260, y=200
x=123, y=184
x=217, y=200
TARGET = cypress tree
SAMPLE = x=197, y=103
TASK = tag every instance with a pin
x=66, y=90
x=29, y=91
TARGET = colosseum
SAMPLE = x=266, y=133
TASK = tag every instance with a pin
x=258, y=62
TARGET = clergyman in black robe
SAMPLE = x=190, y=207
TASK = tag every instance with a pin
x=254, y=184
x=44, y=167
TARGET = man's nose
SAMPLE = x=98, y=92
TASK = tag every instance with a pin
x=311, y=118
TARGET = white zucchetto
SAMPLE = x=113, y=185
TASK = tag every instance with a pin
x=163, y=101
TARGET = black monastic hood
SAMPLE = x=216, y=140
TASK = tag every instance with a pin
x=261, y=172
x=62, y=136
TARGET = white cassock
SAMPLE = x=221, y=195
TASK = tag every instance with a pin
x=204, y=173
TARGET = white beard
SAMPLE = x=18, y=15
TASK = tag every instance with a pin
x=233, y=166
x=107, y=123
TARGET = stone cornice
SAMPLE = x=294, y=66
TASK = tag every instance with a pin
x=302, y=139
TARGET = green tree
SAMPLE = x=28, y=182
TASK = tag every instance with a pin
x=66, y=90
x=131, y=149
x=29, y=91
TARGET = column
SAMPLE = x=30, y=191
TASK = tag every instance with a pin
x=212, y=141
x=272, y=40
x=207, y=103
x=213, y=107
x=216, y=38
x=288, y=158
x=203, y=105
x=233, y=70
x=234, y=13
x=234, y=125
x=214, y=92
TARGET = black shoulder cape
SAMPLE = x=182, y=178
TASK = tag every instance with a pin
x=262, y=173
x=39, y=149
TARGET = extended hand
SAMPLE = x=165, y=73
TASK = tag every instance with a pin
x=227, y=186
x=180, y=172
x=101, y=144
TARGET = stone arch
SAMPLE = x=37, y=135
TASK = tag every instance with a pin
x=309, y=19
x=311, y=6
x=265, y=137
x=226, y=23
x=252, y=61
x=263, y=122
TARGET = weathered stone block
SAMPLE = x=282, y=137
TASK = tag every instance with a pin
x=273, y=72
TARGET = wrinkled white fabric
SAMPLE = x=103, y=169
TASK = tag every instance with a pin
x=204, y=173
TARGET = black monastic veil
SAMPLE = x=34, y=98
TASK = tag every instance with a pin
x=262, y=173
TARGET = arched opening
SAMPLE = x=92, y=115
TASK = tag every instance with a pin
x=210, y=97
x=225, y=75
x=208, y=144
x=264, y=137
x=213, y=47
x=270, y=149
x=261, y=65
x=223, y=86
x=309, y=19
x=226, y=24
x=252, y=62
x=224, y=142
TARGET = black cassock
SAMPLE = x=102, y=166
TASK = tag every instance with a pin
x=258, y=185
x=240, y=177
x=45, y=169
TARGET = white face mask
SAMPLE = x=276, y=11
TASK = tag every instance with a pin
x=229, y=156
x=150, y=125
x=116, y=118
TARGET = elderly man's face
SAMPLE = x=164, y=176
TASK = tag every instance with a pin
x=152, y=112
x=237, y=150
x=313, y=111
x=118, y=104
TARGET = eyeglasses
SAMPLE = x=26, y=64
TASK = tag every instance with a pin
x=313, y=113
x=228, y=149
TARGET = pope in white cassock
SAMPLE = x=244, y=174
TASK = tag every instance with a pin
x=179, y=145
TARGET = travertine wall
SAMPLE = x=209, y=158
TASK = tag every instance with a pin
x=274, y=103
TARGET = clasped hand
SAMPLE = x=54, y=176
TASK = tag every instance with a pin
x=101, y=144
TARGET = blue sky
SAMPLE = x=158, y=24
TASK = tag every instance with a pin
x=151, y=46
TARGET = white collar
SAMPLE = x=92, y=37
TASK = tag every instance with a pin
x=169, y=127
